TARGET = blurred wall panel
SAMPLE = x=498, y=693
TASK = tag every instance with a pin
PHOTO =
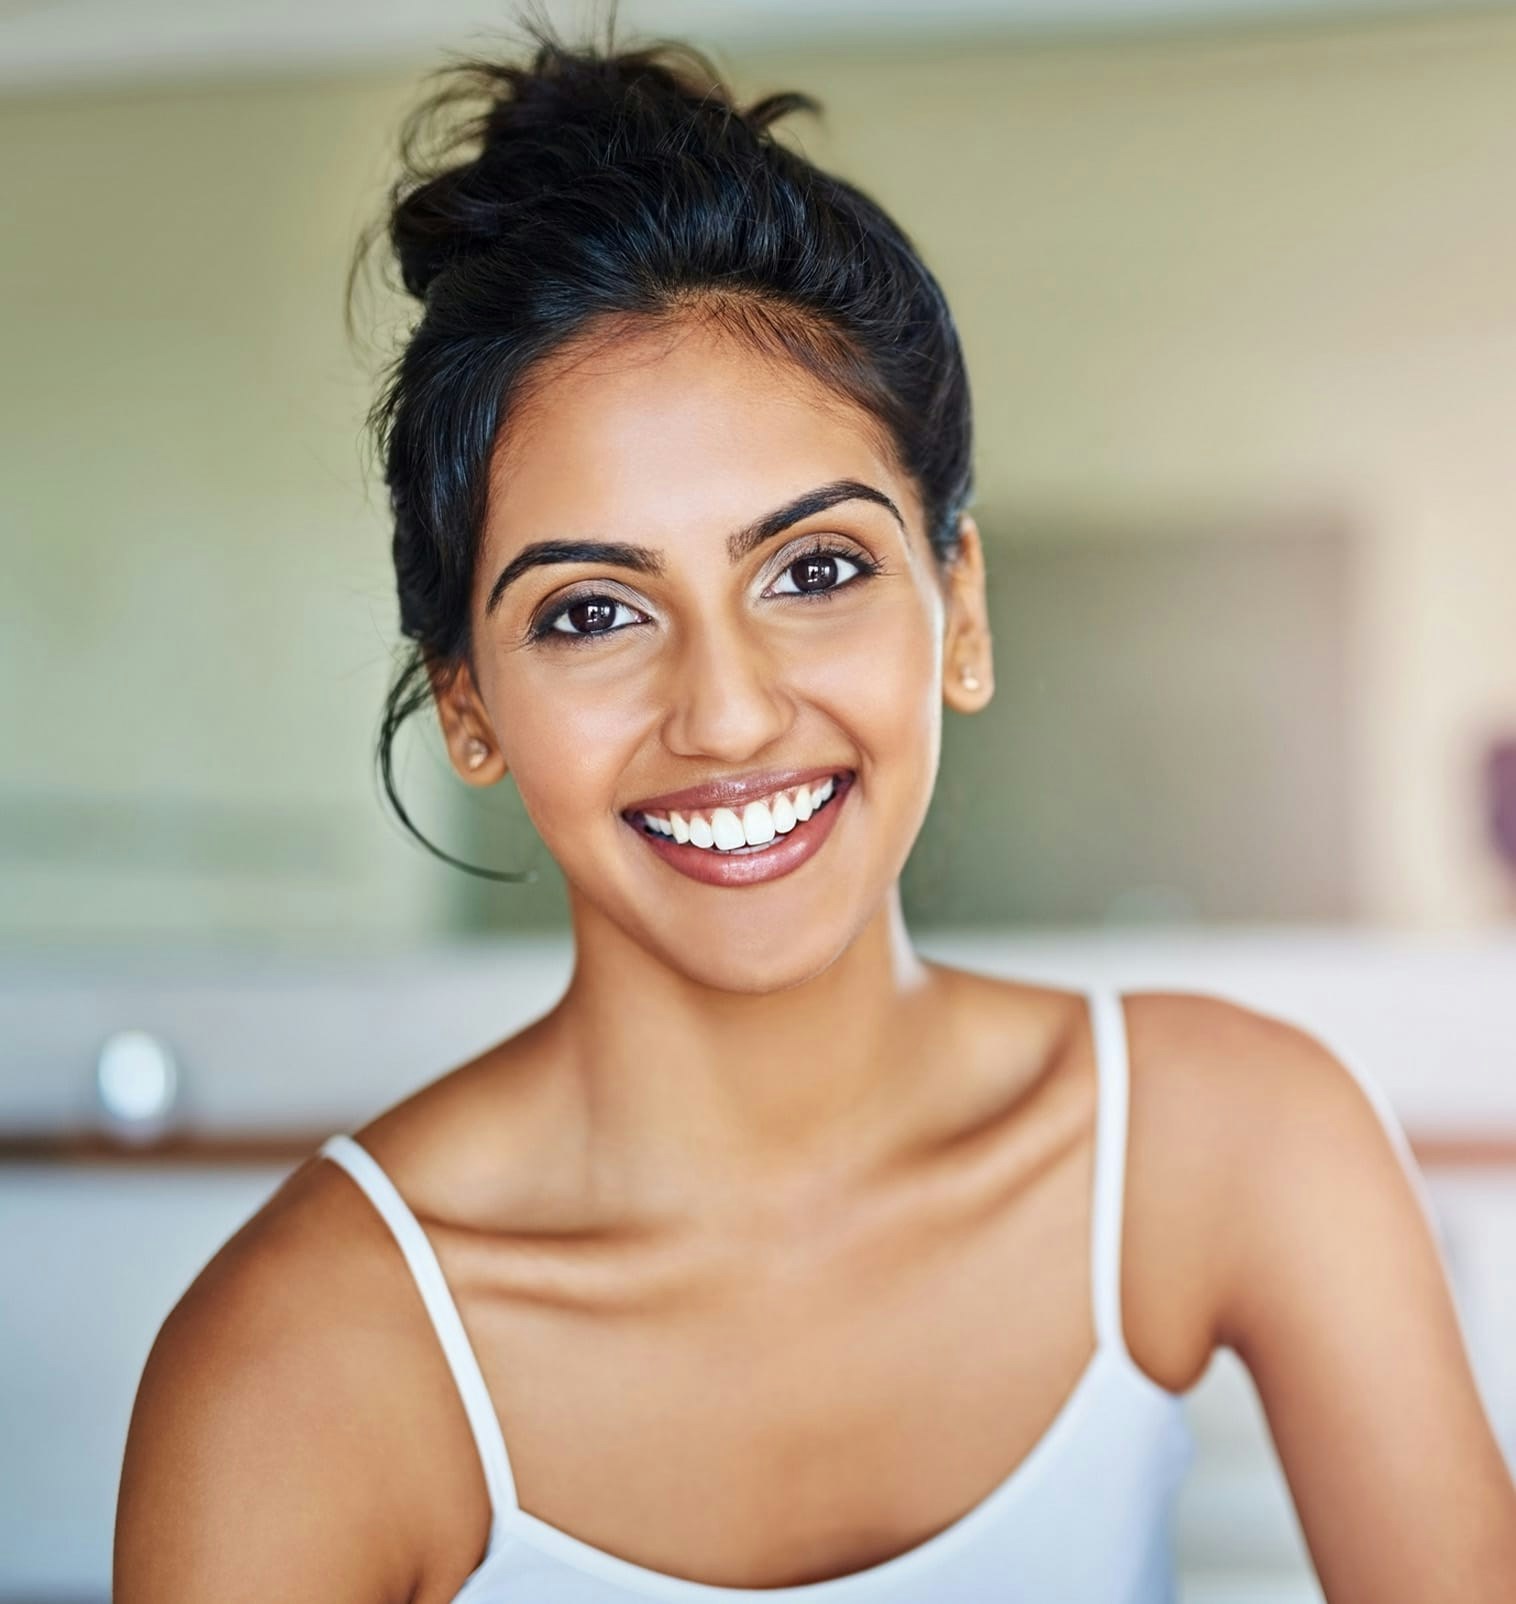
x=1171, y=738
x=196, y=612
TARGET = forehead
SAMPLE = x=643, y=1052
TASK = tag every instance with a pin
x=665, y=432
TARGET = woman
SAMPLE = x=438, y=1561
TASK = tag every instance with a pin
x=788, y=1264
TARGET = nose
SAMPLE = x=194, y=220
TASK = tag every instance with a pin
x=726, y=695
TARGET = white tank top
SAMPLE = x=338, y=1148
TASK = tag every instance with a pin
x=1083, y=1519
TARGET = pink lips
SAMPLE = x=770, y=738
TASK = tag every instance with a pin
x=731, y=793
x=780, y=856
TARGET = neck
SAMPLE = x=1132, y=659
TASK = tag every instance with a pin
x=687, y=1090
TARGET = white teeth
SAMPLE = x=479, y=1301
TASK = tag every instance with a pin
x=757, y=824
x=725, y=830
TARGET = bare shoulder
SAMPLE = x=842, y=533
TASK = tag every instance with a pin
x=1226, y=1103
x=1246, y=1127
x=490, y=1146
x=1325, y=1273
x=266, y=1454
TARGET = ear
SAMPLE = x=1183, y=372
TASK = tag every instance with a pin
x=466, y=728
x=968, y=671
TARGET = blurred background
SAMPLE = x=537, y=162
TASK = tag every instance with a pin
x=1237, y=285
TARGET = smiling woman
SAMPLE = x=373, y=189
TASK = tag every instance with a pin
x=791, y=1265
x=698, y=564
x=617, y=209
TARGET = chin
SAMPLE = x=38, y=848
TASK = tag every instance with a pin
x=769, y=955
x=734, y=974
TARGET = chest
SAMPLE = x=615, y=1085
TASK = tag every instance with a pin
x=786, y=1417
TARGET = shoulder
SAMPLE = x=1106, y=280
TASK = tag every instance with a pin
x=1326, y=1276
x=1262, y=1136
x=494, y=1144
x=266, y=1452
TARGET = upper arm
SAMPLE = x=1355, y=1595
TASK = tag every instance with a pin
x=1336, y=1298
x=250, y=1460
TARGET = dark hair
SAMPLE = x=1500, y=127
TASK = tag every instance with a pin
x=609, y=189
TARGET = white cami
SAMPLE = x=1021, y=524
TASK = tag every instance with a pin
x=1084, y=1518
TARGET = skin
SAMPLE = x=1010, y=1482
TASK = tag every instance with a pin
x=771, y=1237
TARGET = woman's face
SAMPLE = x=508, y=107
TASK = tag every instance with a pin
x=732, y=638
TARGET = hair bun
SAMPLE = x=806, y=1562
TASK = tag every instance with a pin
x=548, y=124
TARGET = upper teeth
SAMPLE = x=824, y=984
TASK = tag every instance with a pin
x=724, y=829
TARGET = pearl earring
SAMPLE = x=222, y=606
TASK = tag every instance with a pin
x=476, y=752
x=968, y=679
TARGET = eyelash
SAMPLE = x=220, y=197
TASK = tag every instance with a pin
x=543, y=629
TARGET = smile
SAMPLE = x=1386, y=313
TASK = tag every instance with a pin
x=759, y=840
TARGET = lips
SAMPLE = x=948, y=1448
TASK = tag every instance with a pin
x=732, y=793
x=752, y=866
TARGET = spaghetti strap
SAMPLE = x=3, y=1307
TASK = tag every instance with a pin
x=1112, y=1065
x=446, y=1321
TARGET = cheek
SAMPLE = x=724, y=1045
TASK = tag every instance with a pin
x=877, y=676
x=569, y=744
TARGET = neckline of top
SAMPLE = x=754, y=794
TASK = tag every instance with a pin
x=519, y=1523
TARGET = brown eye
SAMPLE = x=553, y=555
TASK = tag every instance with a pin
x=591, y=615
x=585, y=616
x=817, y=573
x=814, y=573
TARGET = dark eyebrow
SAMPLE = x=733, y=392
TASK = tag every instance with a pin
x=648, y=560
